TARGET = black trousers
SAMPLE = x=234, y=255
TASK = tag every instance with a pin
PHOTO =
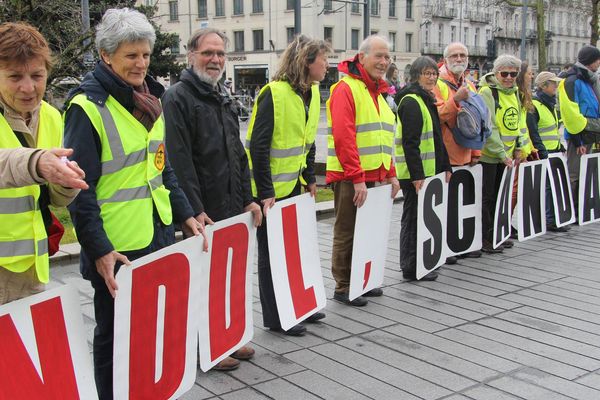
x=408, y=231
x=265, y=280
x=104, y=308
x=492, y=177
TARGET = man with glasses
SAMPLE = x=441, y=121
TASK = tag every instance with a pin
x=359, y=121
x=203, y=143
x=452, y=87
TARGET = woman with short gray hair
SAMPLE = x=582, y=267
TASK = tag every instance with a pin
x=114, y=123
x=503, y=148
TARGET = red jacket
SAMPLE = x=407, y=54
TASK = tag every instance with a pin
x=343, y=121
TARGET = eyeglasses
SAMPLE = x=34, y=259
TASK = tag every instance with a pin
x=210, y=54
x=505, y=74
x=430, y=74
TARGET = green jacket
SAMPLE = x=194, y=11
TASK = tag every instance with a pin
x=494, y=151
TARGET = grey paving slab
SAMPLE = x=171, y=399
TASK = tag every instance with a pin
x=323, y=387
x=468, y=353
x=561, y=300
x=554, y=308
x=251, y=374
x=558, y=385
x=218, y=382
x=525, y=390
x=197, y=393
x=273, y=362
x=591, y=380
x=550, y=316
x=489, y=393
x=280, y=389
x=245, y=394
x=403, y=317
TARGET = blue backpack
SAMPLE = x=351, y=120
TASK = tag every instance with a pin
x=473, y=124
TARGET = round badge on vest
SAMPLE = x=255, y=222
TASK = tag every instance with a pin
x=511, y=119
x=159, y=158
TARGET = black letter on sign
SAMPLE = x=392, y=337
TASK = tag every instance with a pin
x=502, y=223
x=532, y=199
x=560, y=179
x=591, y=192
x=461, y=179
x=432, y=248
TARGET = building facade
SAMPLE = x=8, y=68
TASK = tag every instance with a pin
x=260, y=30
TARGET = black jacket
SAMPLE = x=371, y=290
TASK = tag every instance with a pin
x=409, y=113
x=81, y=136
x=203, y=137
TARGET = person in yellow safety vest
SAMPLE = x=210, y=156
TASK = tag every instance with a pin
x=281, y=149
x=420, y=153
x=503, y=148
x=359, y=150
x=115, y=126
x=452, y=88
x=543, y=124
x=26, y=121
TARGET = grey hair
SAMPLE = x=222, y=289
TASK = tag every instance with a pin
x=447, y=48
x=120, y=25
x=200, y=34
x=506, y=60
x=419, y=65
x=366, y=44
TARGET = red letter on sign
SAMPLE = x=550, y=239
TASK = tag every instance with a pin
x=18, y=377
x=172, y=273
x=230, y=244
x=304, y=299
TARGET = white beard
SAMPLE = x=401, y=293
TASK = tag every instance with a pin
x=207, y=78
x=458, y=69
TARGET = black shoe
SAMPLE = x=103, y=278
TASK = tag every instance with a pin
x=554, y=228
x=451, y=260
x=508, y=244
x=374, y=293
x=315, y=317
x=472, y=254
x=489, y=248
x=296, y=330
x=432, y=276
x=357, y=302
x=514, y=234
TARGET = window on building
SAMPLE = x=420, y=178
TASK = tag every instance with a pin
x=173, y=11
x=328, y=5
x=453, y=34
x=488, y=34
x=409, y=9
x=219, y=8
x=238, y=7
x=408, y=42
x=290, y=4
x=392, y=37
x=258, y=39
x=426, y=34
x=440, y=34
x=175, y=47
x=290, y=34
x=202, y=9
x=328, y=34
x=257, y=6
x=374, y=7
x=392, y=8
x=354, y=37
x=476, y=37
x=568, y=49
x=238, y=41
x=355, y=7
x=465, y=38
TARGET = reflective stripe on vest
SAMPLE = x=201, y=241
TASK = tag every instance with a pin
x=374, y=129
x=294, y=134
x=131, y=183
x=509, y=120
x=23, y=240
x=547, y=126
x=426, y=144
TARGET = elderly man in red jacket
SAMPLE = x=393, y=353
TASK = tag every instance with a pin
x=360, y=142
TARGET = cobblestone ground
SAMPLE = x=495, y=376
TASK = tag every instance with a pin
x=524, y=324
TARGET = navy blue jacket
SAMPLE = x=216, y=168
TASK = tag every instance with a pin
x=81, y=136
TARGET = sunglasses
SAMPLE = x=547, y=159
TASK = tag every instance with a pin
x=505, y=74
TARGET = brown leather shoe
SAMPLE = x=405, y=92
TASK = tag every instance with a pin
x=243, y=353
x=228, y=364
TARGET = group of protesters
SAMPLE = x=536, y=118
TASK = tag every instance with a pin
x=136, y=162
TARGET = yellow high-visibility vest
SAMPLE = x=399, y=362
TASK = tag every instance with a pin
x=548, y=126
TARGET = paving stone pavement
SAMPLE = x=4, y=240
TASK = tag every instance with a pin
x=524, y=324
